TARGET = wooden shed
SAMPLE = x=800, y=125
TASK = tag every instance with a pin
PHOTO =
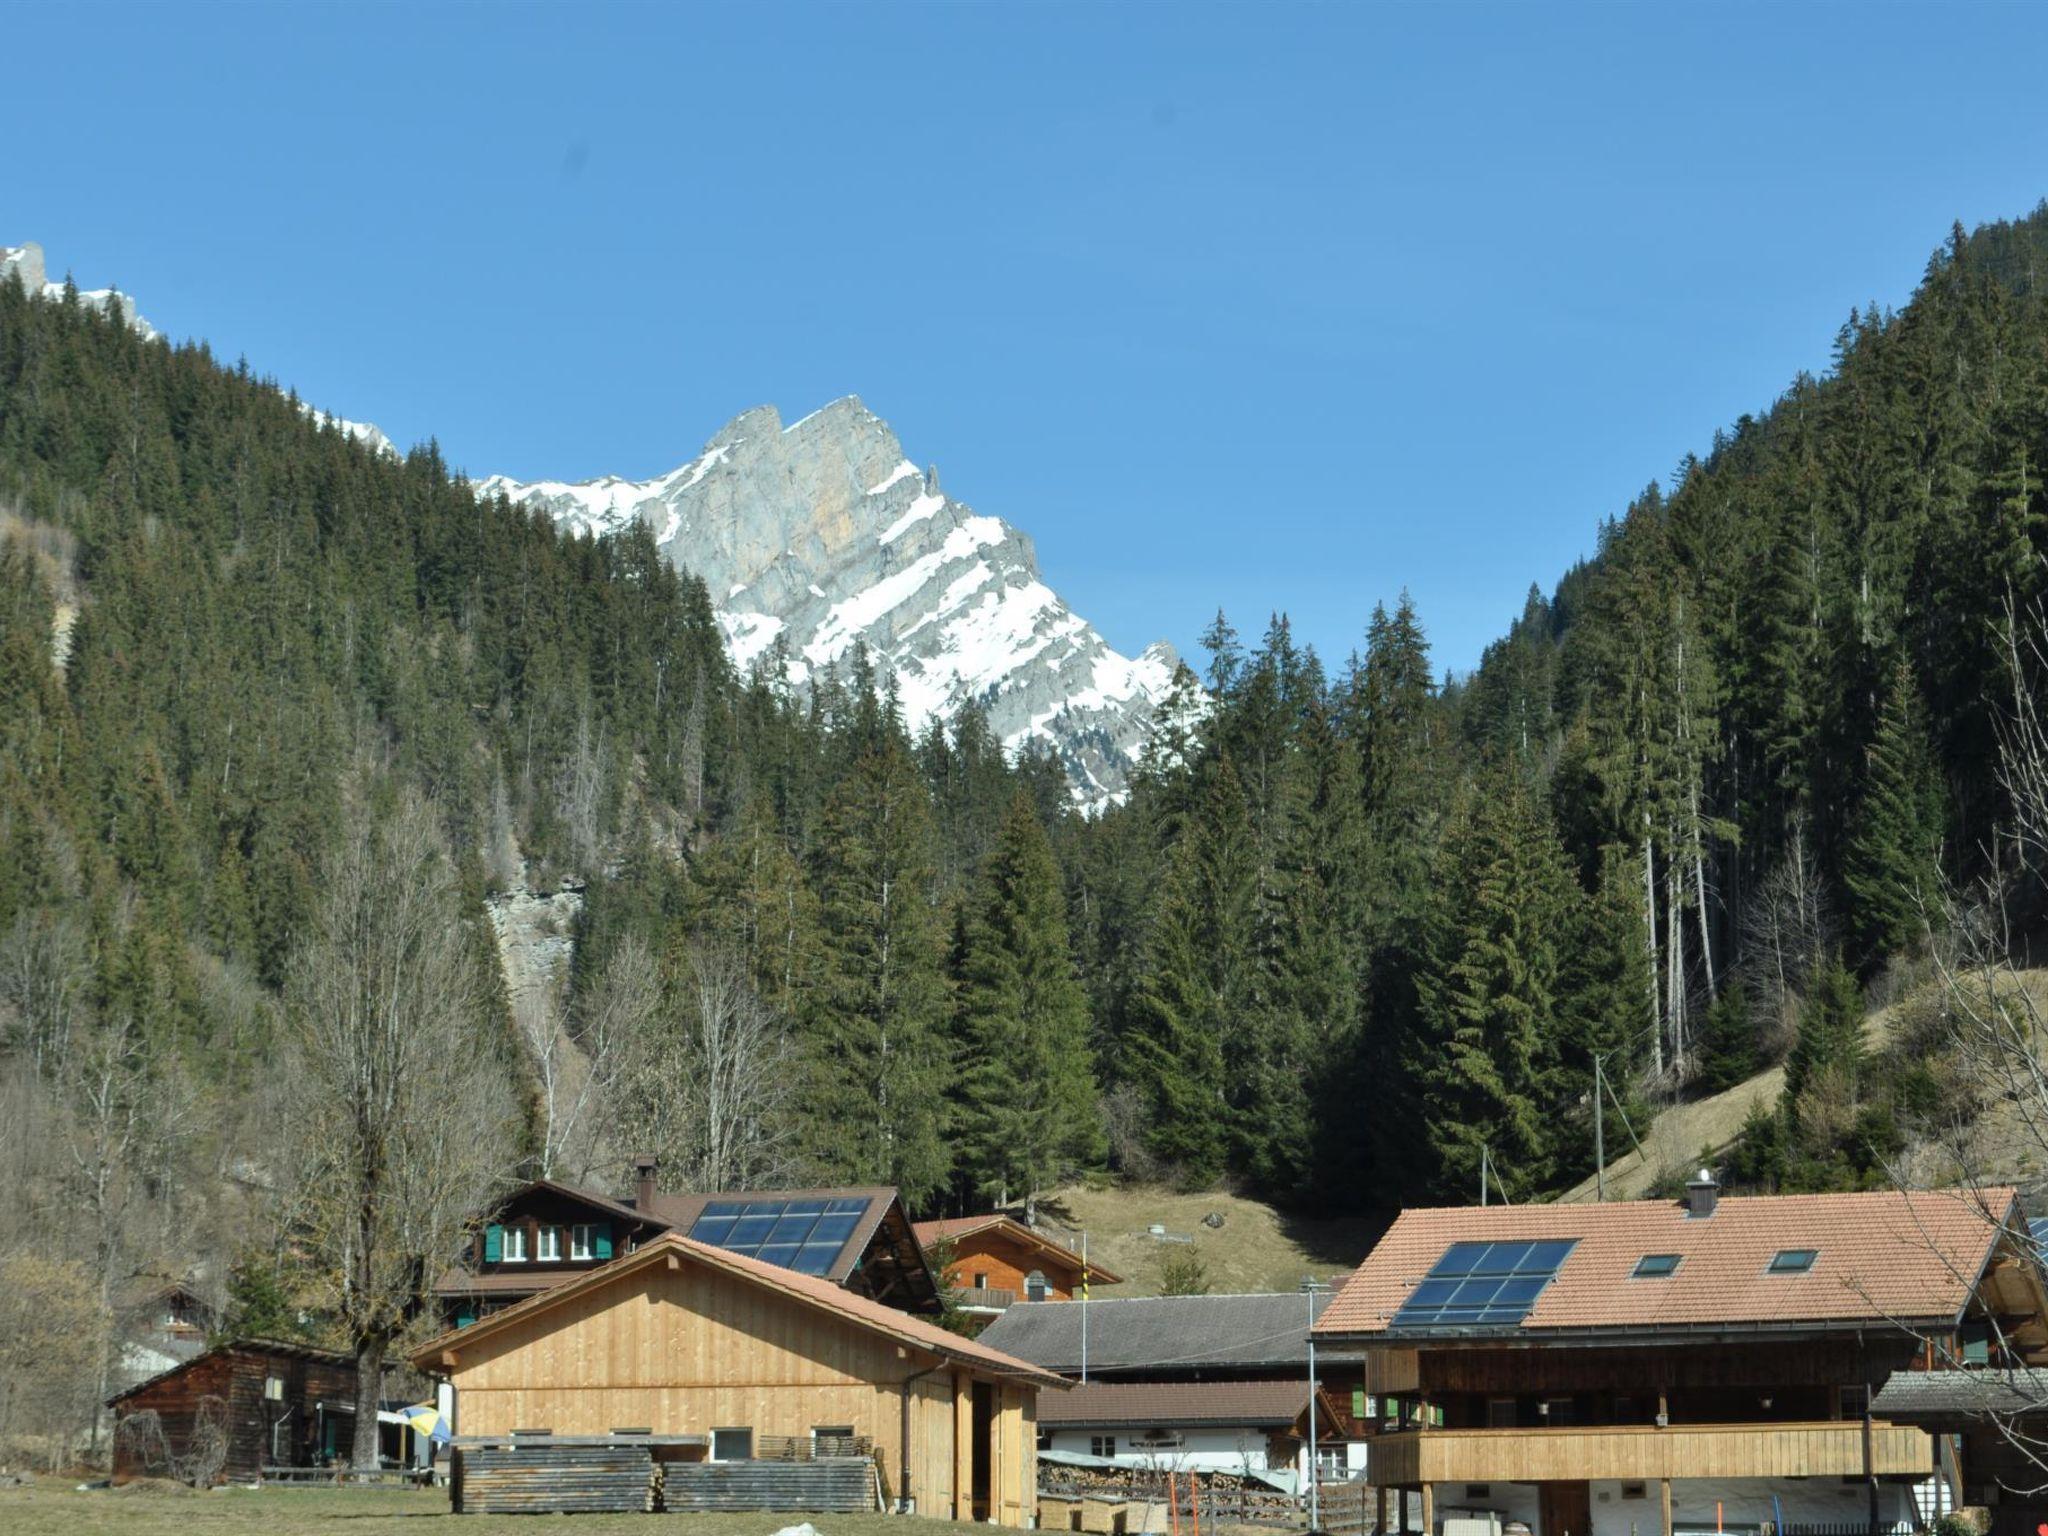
x=246, y=1405
x=679, y=1338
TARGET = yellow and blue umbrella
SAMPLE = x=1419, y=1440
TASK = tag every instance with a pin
x=429, y=1420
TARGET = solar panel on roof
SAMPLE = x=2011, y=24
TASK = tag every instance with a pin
x=804, y=1235
x=1477, y=1285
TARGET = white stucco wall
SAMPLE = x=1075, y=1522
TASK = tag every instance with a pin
x=1200, y=1450
x=1744, y=1503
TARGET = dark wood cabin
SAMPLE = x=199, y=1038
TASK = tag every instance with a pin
x=548, y=1233
x=276, y=1405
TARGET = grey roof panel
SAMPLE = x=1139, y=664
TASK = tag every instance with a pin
x=1159, y=1332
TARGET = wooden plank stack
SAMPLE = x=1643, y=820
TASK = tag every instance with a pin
x=839, y=1486
x=553, y=1478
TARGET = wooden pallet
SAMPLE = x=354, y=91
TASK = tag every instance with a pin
x=841, y=1487
x=609, y=1478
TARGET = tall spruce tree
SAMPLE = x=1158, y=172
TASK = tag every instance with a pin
x=876, y=1031
x=1891, y=864
x=1024, y=1073
x=1498, y=930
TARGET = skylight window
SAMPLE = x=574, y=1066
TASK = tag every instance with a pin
x=1655, y=1266
x=1793, y=1261
x=1476, y=1285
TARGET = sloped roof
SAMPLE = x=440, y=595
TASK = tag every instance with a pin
x=281, y=1348
x=1981, y=1392
x=810, y=1290
x=1885, y=1256
x=1261, y=1404
x=1160, y=1332
x=952, y=1228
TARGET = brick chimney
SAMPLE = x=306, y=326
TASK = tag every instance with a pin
x=643, y=1182
x=1702, y=1194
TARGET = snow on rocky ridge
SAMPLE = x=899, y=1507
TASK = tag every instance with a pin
x=28, y=262
x=823, y=534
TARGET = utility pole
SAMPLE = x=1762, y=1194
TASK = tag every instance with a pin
x=1310, y=1287
x=1599, y=1126
x=1084, y=1304
x=1485, y=1154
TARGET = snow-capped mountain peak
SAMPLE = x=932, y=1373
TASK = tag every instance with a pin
x=823, y=533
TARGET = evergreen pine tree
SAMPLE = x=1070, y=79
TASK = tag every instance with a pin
x=1025, y=1109
x=1890, y=865
x=877, y=1024
x=1498, y=930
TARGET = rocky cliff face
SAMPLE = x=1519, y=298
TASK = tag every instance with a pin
x=820, y=535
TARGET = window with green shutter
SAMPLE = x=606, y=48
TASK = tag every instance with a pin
x=465, y=1317
x=494, y=1243
x=604, y=1239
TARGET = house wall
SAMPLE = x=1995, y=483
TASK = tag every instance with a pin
x=1697, y=1504
x=260, y=1431
x=1228, y=1448
x=688, y=1349
x=1007, y=1263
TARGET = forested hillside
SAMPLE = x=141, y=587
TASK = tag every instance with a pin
x=1355, y=928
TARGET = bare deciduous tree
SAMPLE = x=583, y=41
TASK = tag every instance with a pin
x=580, y=1072
x=709, y=1086
x=402, y=1124
x=53, y=1340
x=1787, y=930
x=45, y=967
x=1990, y=1020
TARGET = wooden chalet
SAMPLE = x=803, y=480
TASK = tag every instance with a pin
x=275, y=1404
x=732, y=1359
x=1676, y=1366
x=548, y=1233
x=994, y=1261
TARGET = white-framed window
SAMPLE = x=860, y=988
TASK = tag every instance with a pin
x=1034, y=1286
x=515, y=1245
x=273, y=1389
x=732, y=1445
x=582, y=1241
x=831, y=1440
x=548, y=1245
x=1102, y=1445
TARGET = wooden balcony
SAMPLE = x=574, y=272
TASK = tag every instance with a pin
x=1828, y=1448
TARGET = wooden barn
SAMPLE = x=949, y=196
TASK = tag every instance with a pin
x=235, y=1410
x=748, y=1361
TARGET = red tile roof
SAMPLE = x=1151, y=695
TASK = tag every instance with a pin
x=953, y=1228
x=1886, y=1256
x=1143, y=1404
x=810, y=1290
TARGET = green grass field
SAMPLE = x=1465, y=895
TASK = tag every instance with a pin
x=54, y=1508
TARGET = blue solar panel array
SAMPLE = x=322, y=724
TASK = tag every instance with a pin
x=1478, y=1285
x=803, y=1235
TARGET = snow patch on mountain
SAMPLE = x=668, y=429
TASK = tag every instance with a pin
x=836, y=539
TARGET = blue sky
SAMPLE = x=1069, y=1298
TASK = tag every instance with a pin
x=1273, y=307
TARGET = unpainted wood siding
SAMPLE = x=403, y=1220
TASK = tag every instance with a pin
x=687, y=1349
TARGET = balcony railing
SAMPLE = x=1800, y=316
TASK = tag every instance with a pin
x=984, y=1298
x=1825, y=1448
